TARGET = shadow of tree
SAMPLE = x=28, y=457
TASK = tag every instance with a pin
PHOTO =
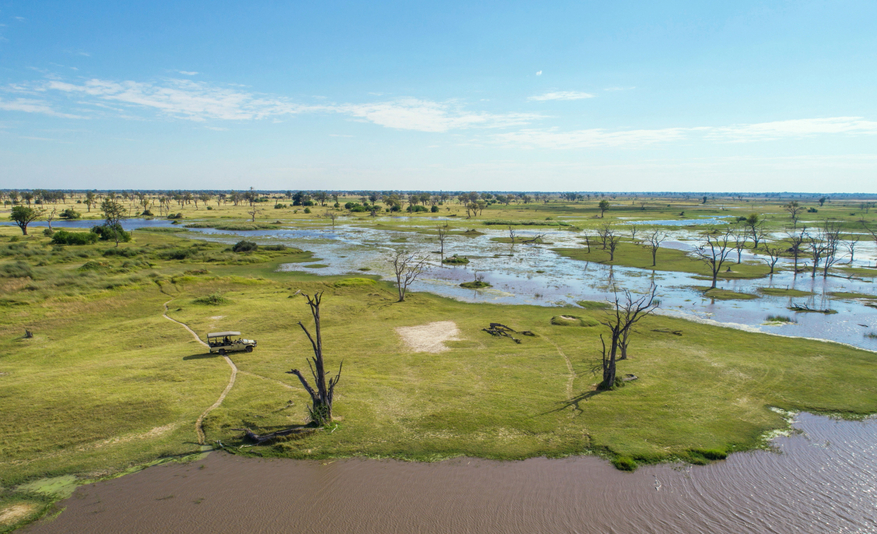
x=574, y=402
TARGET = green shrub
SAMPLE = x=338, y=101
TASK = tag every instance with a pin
x=123, y=252
x=213, y=299
x=48, y=232
x=112, y=232
x=63, y=237
x=244, y=246
x=624, y=463
x=307, y=210
x=456, y=260
x=70, y=213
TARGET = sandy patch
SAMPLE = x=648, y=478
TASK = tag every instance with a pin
x=15, y=513
x=429, y=337
x=217, y=317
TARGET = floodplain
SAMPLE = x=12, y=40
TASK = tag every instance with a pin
x=106, y=384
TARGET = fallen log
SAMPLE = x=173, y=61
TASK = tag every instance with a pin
x=264, y=438
x=666, y=331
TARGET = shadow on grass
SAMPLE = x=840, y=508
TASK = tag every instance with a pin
x=574, y=402
x=201, y=356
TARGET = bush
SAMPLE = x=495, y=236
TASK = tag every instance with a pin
x=63, y=237
x=146, y=213
x=112, y=232
x=70, y=213
x=456, y=260
x=624, y=463
x=213, y=299
x=48, y=232
x=123, y=252
x=414, y=209
x=279, y=206
x=812, y=210
x=434, y=209
x=244, y=246
x=307, y=210
x=173, y=216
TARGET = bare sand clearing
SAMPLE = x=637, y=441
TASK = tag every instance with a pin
x=429, y=337
x=15, y=513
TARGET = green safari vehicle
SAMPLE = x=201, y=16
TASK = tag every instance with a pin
x=225, y=342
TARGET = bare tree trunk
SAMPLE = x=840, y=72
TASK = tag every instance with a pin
x=321, y=399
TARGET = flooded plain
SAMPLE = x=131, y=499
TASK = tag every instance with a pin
x=820, y=478
x=536, y=275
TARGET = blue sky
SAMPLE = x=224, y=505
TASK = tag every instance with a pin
x=591, y=96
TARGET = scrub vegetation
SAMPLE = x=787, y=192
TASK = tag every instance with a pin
x=94, y=381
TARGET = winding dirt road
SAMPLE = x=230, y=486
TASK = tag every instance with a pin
x=234, y=372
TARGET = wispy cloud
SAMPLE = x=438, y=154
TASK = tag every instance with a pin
x=429, y=116
x=765, y=131
x=198, y=101
x=182, y=98
x=592, y=138
x=29, y=105
x=188, y=72
x=539, y=73
x=561, y=95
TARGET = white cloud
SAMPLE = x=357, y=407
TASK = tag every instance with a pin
x=29, y=105
x=592, y=138
x=199, y=101
x=429, y=116
x=765, y=131
x=539, y=73
x=188, y=72
x=561, y=95
x=183, y=98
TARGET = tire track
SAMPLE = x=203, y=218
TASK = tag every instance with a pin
x=572, y=374
x=199, y=430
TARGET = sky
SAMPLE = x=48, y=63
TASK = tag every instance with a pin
x=502, y=96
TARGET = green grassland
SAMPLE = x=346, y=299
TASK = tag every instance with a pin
x=629, y=254
x=107, y=384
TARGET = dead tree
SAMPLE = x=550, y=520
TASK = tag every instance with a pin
x=321, y=399
x=407, y=268
x=795, y=240
x=603, y=232
x=654, y=241
x=612, y=240
x=773, y=252
x=833, y=242
x=442, y=235
x=851, y=246
x=332, y=215
x=714, y=252
x=620, y=323
x=740, y=238
x=512, y=235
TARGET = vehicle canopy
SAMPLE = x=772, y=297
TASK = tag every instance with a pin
x=222, y=334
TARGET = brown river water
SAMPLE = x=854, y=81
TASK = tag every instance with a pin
x=819, y=479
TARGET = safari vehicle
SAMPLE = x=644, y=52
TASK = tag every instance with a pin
x=223, y=342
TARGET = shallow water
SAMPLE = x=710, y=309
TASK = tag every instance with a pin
x=534, y=274
x=820, y=479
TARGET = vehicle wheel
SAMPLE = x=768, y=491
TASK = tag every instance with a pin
x=249, y=348
x=222, y=352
